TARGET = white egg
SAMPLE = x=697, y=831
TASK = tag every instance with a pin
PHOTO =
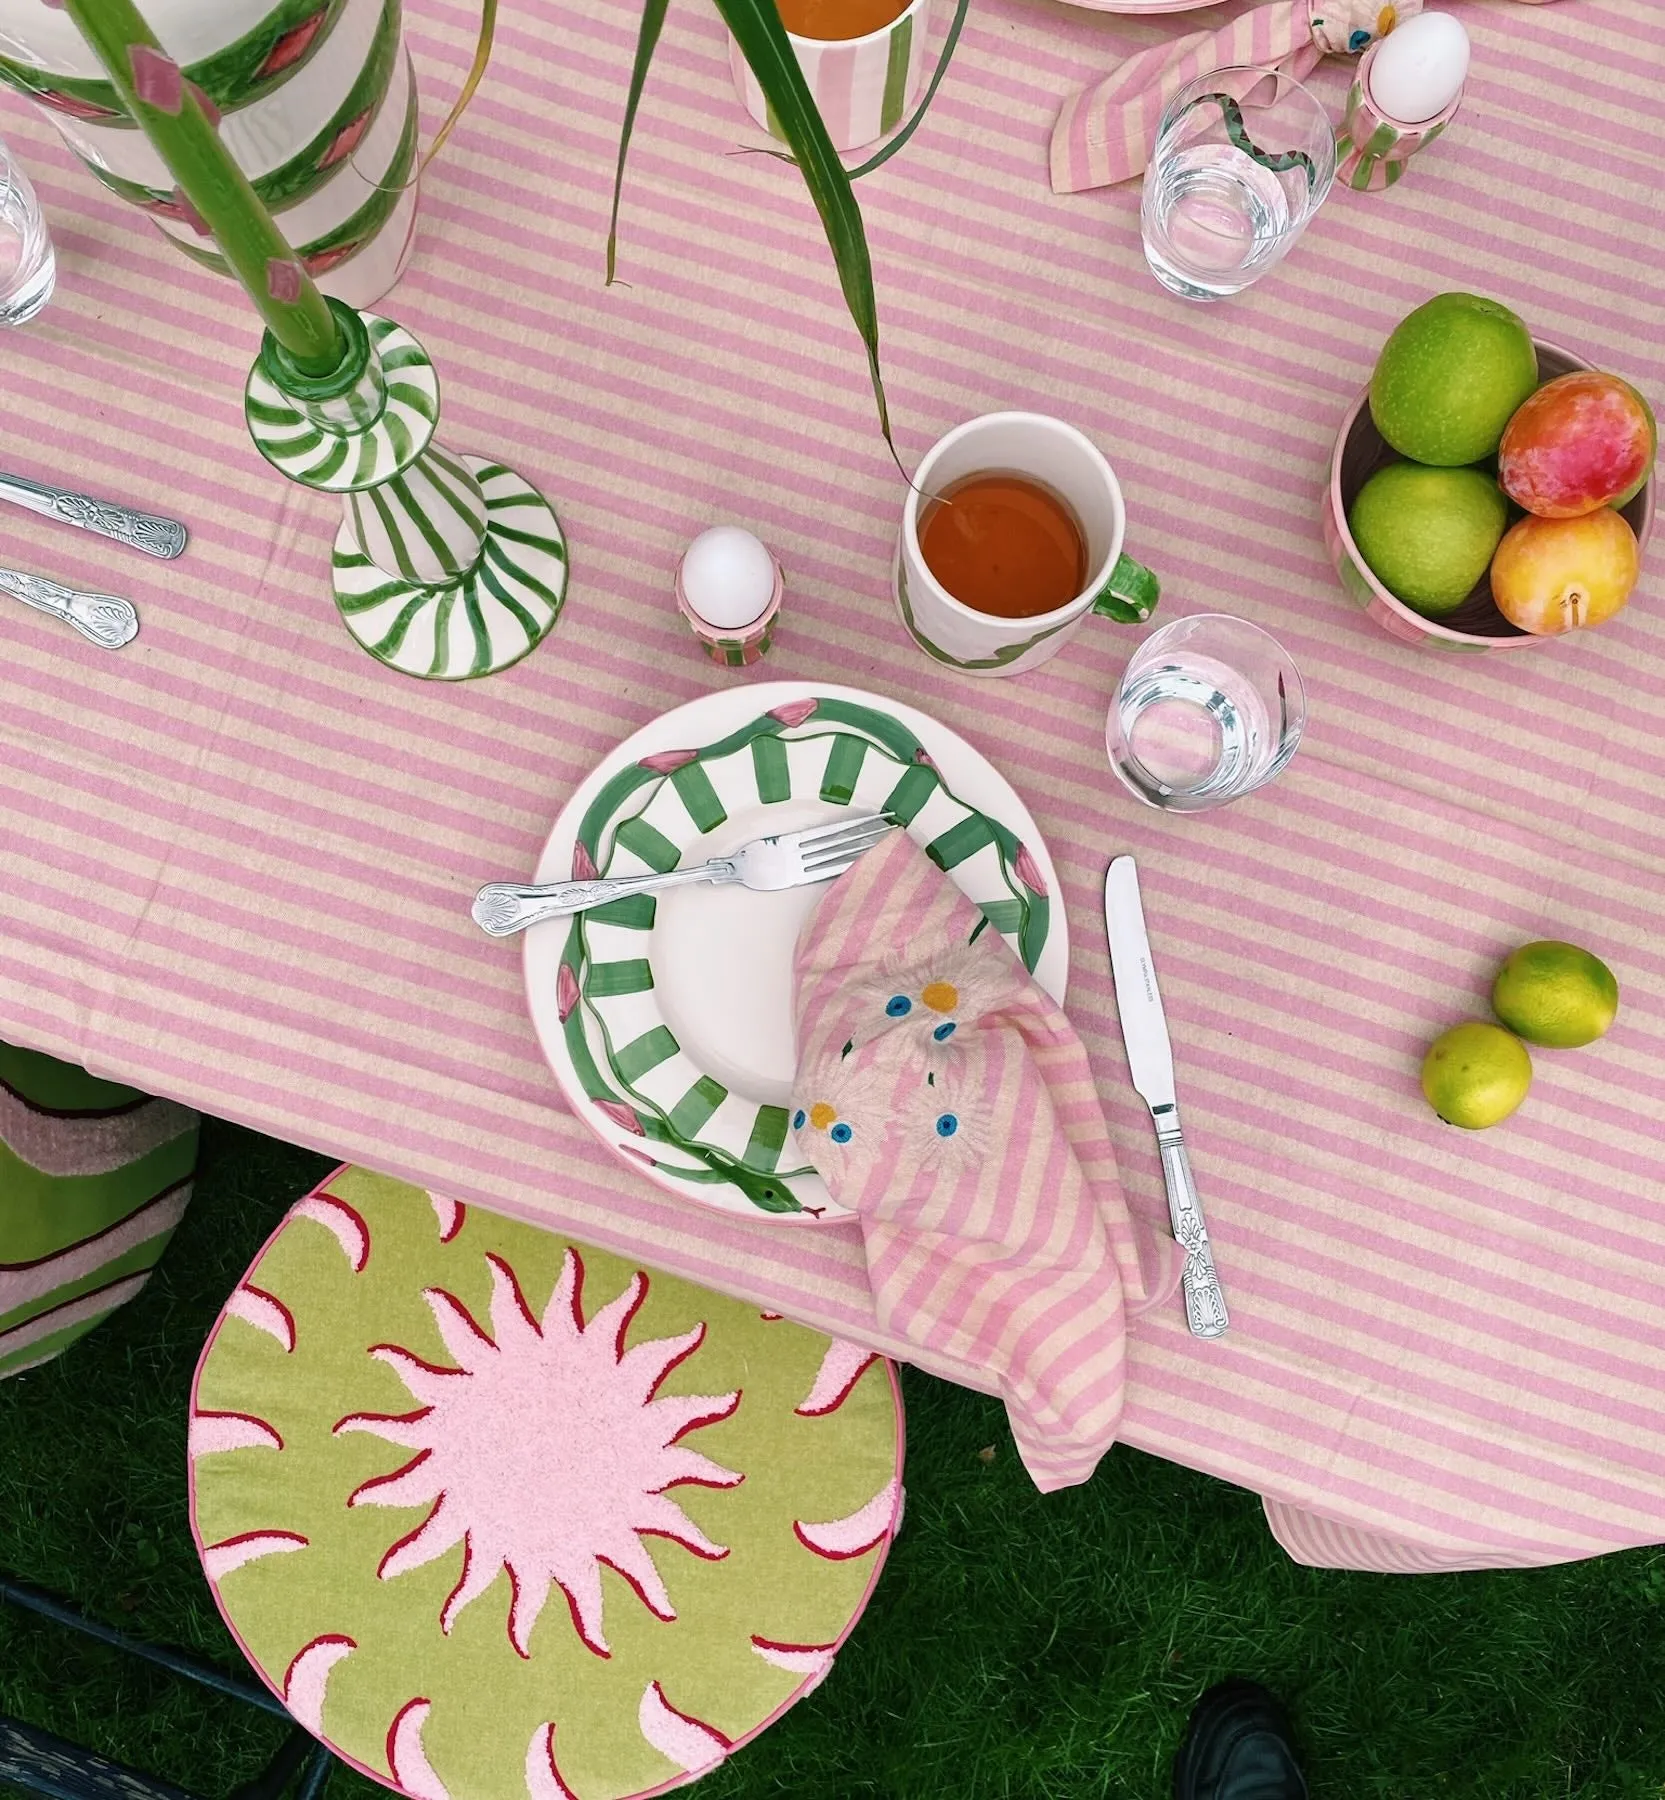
x=1419, y=68
x=728, y=577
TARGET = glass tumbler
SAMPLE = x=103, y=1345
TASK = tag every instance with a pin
x=1209, y=709
x=28, y=269
x=1243, y=159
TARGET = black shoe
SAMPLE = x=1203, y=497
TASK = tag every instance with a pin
x=1238, y=1746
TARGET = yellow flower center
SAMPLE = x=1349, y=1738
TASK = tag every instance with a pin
x=941, y=996
x=1386, y=19
x=821, y=1115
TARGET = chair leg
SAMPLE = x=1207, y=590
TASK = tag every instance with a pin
x=300, y=1750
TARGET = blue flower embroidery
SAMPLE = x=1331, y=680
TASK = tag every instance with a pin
x=944, y=1032
x=799, y=1119
x=898, y=1006
x=1358, y=41
x=947, y=1125
x=841, y=1133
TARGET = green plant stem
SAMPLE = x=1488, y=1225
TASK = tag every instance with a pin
x=211, y=181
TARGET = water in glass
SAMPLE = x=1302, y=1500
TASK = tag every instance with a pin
x=1209, y=708
x=28, y=268
x=1243, y=158
x=1213, y=220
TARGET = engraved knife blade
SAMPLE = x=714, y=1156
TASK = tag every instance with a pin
x=144, y=531
x=1150, y=1061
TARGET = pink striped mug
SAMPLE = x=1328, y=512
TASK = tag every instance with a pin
x=864, y=86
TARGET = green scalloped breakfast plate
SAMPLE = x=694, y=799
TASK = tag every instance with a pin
x=668, y=1020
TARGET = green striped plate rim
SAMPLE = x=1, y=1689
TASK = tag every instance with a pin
x=652, y=815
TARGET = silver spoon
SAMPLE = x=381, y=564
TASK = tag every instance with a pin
x=138, y=530
x=102, y=619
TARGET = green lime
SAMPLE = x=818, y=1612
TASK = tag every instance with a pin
x=1476, y=1074
x=1555, y=994
x=1450, y=377
x=1428, y=534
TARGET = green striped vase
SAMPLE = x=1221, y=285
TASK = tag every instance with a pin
x=93, y=1180
x=316, y=103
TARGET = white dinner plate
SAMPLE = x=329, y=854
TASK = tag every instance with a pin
x=668, y=1019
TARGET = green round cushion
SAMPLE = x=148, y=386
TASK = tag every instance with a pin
x=501, y=1516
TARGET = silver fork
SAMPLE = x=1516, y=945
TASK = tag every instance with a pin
x=793, y=860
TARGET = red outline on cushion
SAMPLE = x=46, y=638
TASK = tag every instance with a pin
x=328, y=1637
x=624, y=1575
x=497, y=1262
x=445, y=1614
x=583, y=1636
x=689, y=1719
x=259, y=1293
x=548, y=1730
x=265, y=1531
x=676, y=1362
x=247, y=1418
x=451, y=1300
x=457, y=1223
x=698, y=1550
x=764, y=1643
x=375, y=1481
x=421, y=1362
x=410, y=1537
x=409, y=1418
x=352, y=1213
x=842, y=1555
x=393, y=1732
x=577, y=1285
x=843, y=1394
x=715, y=1418
x=630, y=1313
x=679, y=1779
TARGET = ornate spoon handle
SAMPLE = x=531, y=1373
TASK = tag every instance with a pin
x=138, y=530
x=101, y=618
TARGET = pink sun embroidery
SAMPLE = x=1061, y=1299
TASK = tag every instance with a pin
x=547, y=1451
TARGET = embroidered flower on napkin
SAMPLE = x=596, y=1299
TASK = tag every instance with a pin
x=946, y=1099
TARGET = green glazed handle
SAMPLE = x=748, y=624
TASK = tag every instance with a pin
x=1130, y=595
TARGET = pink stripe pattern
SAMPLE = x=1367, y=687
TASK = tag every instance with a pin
x=948, y=1102
x=230, y=799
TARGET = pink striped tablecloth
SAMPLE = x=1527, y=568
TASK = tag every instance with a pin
x=238, y=856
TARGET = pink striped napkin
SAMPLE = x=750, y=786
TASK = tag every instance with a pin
x=946, y=1099
x=1104, y=134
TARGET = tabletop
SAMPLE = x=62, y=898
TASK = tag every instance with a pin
x=238, y=855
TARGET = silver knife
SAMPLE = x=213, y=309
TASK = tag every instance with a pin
x=138, y=530
x=1150, y=1060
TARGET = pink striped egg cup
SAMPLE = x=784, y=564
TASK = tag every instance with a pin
x=863, y=87
x=1476, y=625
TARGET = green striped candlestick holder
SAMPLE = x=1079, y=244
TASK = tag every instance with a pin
x=446, y=566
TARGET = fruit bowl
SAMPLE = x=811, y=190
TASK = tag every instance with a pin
x=1476, y=624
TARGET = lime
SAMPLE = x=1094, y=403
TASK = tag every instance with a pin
x=1476, y=1074
x=1555, y=994
x=1450, y=377
x=1428, y=534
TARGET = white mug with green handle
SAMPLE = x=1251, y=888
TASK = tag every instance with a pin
x=1071, y=465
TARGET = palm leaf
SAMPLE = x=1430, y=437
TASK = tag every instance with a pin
x=763, y=42
x=647, y=41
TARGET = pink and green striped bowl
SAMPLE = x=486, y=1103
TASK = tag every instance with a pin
x=1476, y=625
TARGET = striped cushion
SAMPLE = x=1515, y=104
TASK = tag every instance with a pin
x=93, y=1179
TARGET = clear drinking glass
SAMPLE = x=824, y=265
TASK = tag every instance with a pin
x=28, y=269
x=1209, y=708
x=1243, y=158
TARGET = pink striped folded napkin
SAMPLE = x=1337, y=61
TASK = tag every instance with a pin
x=1104, y=134
x=946, y=1100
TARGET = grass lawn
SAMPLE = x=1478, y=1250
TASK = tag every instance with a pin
x=1018, y=1648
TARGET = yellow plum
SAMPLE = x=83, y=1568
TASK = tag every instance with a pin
x=1555, y=575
